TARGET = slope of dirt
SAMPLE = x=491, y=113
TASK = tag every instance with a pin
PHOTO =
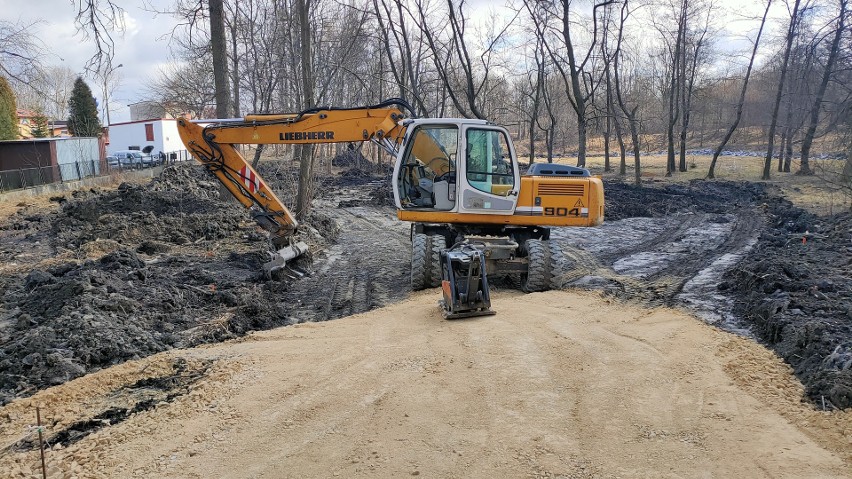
x=732, y=253
x=796, y=289
x=558, y=384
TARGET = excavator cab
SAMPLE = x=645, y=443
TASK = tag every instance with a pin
x=456, y=166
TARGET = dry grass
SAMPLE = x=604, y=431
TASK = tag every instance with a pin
x=816, y=193
x=11, y=202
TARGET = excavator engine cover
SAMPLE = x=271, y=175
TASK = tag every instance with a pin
x=464, y=283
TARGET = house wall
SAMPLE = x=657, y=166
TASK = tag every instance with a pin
x=123, y=136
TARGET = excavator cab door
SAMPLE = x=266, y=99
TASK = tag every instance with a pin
x=425, y=173
x=489, y=179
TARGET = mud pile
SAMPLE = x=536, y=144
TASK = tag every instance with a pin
x=626, y=200
x=796, y=290
x=126, y=273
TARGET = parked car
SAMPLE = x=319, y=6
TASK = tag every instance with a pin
x=113, y=161
x=130, y=159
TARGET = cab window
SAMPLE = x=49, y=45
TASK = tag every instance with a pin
x=430, y=158
x=435, y=148
x=489, y=162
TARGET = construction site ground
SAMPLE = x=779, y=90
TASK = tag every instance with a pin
x=651, y=362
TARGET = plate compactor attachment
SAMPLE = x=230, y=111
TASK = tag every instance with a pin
x=464, y=282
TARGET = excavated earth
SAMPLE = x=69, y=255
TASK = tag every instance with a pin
x=108, y=276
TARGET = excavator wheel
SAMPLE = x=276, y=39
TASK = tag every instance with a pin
x=560, y=266
x=539, y=275
x=426, y=260
x=420, y=261
x=437, y=244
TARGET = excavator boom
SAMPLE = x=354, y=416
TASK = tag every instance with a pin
x=212, y=144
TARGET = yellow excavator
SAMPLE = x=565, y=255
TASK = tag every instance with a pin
x=456, y=180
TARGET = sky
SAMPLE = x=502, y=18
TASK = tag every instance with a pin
x=143, y=48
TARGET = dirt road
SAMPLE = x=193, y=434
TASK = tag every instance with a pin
x=558, y=384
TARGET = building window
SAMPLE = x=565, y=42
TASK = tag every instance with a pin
x=149, y=132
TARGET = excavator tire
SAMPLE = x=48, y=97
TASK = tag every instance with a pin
x=539, y=275
x=437, y=243
x=420, y=261
x=560, y=265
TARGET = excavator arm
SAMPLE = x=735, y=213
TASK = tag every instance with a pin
x=212, y=144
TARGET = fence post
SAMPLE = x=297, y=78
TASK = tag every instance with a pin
x=79, y=175
x=23, y=180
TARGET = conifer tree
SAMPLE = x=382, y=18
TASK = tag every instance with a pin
x=8, y=112
x=40, y=128
x=83, y=111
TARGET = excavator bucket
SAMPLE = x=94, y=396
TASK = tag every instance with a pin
x=464, y=283
x=282, y=256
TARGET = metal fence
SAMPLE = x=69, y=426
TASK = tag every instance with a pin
x=28, y=177
x=21, y=178
x=175, y=157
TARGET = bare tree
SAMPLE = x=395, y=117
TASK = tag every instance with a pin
x=20, y=52
x=718, y=151
x=218, y=49
x=466, y=79
x=580, y=84
x=675, y=78
x=97, y=20
x=47, y=90
x=791, y=31
x=404, y=54
x=629, y=112
x=694, y=54
x=305, y=152
x=185, y=87
x=834, y=50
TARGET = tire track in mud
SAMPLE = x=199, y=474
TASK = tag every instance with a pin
x=664, y=261
x=366, y=268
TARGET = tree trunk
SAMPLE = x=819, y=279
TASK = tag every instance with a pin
x=579, y=103
x=235, y=63
x=256, y=161
x=634, y=135
x=581, y=139
x=220, y=58
x=767, y=164
x=846, y=176
x=788, y=153
x=622, y=165
x=630, y=113
x=305, y=152
x=550, y=140
x=826, y=76
x=606, y=142
x=674, y=91
x=535, y=107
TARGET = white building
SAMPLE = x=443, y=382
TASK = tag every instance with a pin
x=144, y=110
x=160, y=134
